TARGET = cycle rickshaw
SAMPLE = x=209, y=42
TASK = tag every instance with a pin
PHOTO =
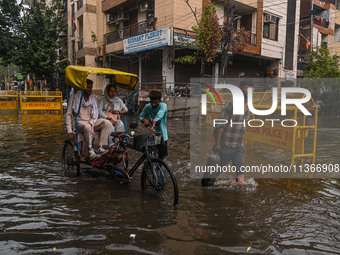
x=156, y=176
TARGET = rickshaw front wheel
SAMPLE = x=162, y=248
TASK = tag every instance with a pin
x=158, y=179
x=71, y=161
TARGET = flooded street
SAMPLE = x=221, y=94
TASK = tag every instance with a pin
x=44, y=212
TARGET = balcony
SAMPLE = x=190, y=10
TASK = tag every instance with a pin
x=109, y=5
x=130, y=31
x=317, y=20
x=326, y=4
x=302, y=66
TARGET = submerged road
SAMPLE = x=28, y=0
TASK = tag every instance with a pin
x=44, y=212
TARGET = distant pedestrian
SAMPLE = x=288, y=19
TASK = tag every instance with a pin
x=229, y=139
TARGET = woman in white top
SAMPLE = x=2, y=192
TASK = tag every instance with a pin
x=110, y=107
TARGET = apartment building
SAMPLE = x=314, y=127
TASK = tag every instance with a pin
x=146, y=36
x=274, y=28
x=320, y=25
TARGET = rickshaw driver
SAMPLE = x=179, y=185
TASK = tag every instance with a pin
x=88, y=121
x=156, y=113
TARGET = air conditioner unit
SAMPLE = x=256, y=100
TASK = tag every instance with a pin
x=122, y=15
x=273, y=19
x=267, y=18
x=111, y=18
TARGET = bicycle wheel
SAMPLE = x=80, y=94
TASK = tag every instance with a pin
x=71, y=162
x=157, y=178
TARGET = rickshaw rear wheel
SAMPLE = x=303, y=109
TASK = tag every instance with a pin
x=71, y=161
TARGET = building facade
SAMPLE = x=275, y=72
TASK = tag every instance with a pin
x=146, y=36
x=319, y=25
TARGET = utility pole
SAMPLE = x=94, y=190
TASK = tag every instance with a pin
x=7, y=80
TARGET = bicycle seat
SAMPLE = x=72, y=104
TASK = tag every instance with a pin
x=116, y=134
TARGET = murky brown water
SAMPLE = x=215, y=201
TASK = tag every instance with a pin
x=43, y=212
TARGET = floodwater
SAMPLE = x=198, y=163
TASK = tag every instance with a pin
x=44, y=212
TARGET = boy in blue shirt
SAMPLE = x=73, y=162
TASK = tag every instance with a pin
x=152, y=113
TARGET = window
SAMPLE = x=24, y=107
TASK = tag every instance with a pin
x=337, y=33
x=270, y=27
x=337, y=4
x=324, y=40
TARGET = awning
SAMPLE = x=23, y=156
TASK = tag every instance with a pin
x=75, y=76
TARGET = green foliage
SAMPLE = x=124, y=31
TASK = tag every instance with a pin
x=208, y=34
x=186, y=59
x=33, y=37
x=94, y=37
x=113, y=29
x=322, y=64
x=10, y=22
x=322, y=78
x=207, y=39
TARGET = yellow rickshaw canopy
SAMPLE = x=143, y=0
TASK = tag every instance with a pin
x=75, y=76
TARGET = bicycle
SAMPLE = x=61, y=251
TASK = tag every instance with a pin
x=156, y=177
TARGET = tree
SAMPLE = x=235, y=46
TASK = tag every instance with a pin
x=207, y=39
x=10, y=22
x=32, y=37
x=208, y=29
x=233, y=40
x=322, y=67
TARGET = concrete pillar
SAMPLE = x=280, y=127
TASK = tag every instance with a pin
x=140, y=70
x=168, y=68
x=215, y=73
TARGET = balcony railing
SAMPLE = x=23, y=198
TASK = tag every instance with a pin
x=80, y=44
x=317, y=20
x=252, y=39
x=302, y=66
x=130, y=31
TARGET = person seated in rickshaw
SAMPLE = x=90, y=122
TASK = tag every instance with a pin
x=110, y=107
x=88, y=121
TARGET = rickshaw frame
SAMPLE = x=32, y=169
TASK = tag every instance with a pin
x=154, y=171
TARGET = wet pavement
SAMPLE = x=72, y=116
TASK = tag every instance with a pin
x=44, y=212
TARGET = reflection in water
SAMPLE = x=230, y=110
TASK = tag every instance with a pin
x=42, y=210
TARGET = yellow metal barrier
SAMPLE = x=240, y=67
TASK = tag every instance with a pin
x=9, y=100
x=291, y=139
x=37, y=101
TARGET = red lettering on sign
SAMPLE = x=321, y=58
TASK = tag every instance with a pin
x=255, y=130
x=274, y=132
